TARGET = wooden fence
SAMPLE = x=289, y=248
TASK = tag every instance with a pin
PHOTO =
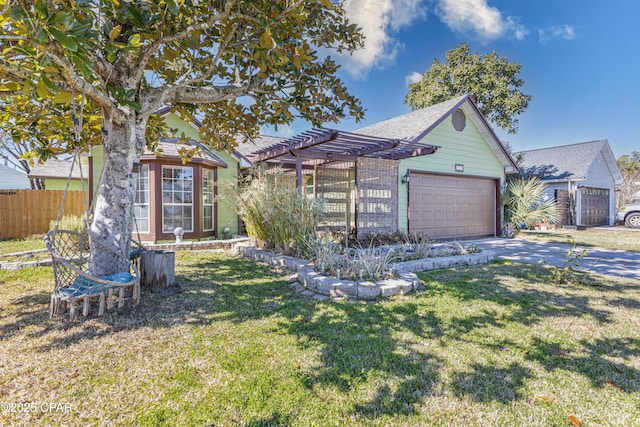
x=24, y=213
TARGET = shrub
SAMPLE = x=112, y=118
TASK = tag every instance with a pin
x=69, y=222
x=275, y=213
x=525, y=205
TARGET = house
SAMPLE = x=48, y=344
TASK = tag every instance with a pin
x=13, y=179
x=436, y=171
x=55, y=173
x=581, y=177
x=172, y=194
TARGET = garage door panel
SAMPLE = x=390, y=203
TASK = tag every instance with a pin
x=451, y=207
x=594, y=206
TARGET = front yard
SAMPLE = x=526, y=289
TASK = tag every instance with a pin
x=497, y=344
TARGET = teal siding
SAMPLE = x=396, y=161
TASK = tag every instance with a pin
x=467, y=147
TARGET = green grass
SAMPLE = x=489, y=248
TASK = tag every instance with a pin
x=490, y=345
x=21, y=245
x=611, y=237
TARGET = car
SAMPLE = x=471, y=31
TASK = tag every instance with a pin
x=630, y=214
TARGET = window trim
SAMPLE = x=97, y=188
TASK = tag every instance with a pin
x=147, y=205
x=204, y=172
x=164, y=204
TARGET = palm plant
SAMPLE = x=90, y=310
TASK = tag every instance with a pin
x=526, y=204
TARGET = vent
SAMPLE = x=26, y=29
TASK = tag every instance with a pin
x=459, y=120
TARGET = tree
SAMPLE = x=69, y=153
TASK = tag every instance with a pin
x=491, y=80
x=238, y=63
x=629, y=165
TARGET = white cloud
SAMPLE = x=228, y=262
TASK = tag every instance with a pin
x=565, y=32
x=284, y=131
x=379, y=19
x=477, y=19
x=414, y=77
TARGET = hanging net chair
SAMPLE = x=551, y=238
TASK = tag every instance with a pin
x=74, y=282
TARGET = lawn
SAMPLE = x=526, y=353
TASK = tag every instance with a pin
x=610, y=237
x=21, y=245
x=489, y=345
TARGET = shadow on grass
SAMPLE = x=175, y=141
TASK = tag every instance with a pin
x=376, y=346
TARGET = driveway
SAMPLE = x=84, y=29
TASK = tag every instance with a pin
x=603, y=261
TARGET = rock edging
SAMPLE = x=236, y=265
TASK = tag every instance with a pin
x=312, y=283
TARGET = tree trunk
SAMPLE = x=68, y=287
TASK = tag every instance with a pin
x=113, y=212
x=157, y=271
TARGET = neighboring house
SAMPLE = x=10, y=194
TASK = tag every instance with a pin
x=55, y=174
x=189, y=195
x=12, y=179
x=436, y=171
x=581, y=177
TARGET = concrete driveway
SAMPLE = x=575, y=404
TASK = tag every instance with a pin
x=603, y=261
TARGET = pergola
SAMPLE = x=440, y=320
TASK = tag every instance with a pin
x=355, y=175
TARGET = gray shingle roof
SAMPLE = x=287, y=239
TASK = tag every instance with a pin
x=170, y=148
x=564, y=162
x=53, y=168
x=414, y=124
x=264, y=141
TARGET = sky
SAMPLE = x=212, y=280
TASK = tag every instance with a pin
x=580, y=62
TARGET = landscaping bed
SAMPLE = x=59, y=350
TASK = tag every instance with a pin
x=399, y=278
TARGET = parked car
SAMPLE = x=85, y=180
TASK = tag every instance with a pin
x=630, y=214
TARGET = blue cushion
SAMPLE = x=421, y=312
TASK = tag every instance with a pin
x=86, y=285
x=123, y=277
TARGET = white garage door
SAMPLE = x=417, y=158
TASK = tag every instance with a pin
x=446, y=207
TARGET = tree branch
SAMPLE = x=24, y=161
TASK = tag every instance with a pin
x=153, y=48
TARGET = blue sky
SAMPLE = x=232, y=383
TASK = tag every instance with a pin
x=580, y=62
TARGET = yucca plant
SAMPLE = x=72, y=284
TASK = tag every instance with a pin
x=525, y=204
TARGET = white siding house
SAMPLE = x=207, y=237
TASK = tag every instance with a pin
x=587, y=172
x=13, y=179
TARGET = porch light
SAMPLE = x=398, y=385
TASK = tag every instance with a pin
x=137, y=167
x=405, y=178
x=459, y=167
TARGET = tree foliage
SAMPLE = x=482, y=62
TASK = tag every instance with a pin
x=143, y=55
x=237, y=64
x=491, y=80
x=629, y=165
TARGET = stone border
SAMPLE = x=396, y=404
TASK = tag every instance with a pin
x=312, y=283
x=183, y=246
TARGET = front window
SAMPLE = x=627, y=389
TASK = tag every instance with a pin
x=208, y=194
x=141, y=205
x=177, y=198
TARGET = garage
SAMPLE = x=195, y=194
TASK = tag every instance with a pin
x=450, y=207
x=594, y=206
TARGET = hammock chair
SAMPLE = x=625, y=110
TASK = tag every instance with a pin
x=73, y=269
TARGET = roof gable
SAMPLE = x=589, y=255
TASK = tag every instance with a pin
x=417, y=124
x=569, y=162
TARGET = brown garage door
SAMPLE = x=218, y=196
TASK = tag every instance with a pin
x=594, y=206
x=451, y=207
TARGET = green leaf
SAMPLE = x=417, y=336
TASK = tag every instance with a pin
x=115, y=32
x=173, y=7
x=63, y=98
x=64, y=40
x=134, y=41
x=50, y=85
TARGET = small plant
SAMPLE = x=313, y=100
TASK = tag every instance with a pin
x=419, y=246
x=570, y=271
